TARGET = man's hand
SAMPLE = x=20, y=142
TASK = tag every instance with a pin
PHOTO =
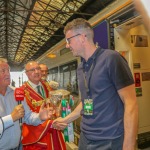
x=60, y=123
x=18, y=112
x=45, y=112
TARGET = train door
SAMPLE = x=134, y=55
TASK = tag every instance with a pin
x=133, y=42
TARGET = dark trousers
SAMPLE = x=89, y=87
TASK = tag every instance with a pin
x=85, y=144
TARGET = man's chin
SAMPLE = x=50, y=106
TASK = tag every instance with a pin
x=7, y=83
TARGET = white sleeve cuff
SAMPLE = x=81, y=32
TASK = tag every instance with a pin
x=8, y=121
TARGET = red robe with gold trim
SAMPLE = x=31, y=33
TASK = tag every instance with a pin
x=41, y=137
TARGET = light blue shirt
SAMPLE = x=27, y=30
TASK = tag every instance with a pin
x=1, y=127
x=11, y=134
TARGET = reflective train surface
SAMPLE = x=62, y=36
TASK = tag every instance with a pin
x=118, y=27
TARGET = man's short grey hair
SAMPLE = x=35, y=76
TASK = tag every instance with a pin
x=80, y=25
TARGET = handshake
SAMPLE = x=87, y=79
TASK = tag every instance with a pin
x=60, y=123
x=44, y=114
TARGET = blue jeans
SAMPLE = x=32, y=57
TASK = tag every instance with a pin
x=85, y=144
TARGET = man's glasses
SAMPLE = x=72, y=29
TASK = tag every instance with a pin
x=33, y=69
x=68, y=39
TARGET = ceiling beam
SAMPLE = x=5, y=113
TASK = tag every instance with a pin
x=58, y=11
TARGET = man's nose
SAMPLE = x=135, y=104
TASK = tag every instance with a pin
x=67, y=45
x=36, y=70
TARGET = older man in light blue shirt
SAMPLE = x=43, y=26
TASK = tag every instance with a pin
x=11, y=112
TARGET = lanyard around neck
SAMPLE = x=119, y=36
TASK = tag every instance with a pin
x=87, y=83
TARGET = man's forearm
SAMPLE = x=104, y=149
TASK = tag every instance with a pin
x=75, y=114
x=128, y=97
x=30, y=117
x=130, y=128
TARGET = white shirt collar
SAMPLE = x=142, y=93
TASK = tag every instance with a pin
x=34, y=85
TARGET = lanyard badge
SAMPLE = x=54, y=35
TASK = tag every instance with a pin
x=88, y=106
x=88, y=103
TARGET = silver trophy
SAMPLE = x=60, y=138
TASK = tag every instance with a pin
x=55, y=99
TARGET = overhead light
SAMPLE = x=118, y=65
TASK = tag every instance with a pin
x=51, y=55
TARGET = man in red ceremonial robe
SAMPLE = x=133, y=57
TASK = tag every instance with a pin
x=44, y=136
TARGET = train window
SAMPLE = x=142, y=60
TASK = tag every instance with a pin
x=53, y=74
x=66, y=76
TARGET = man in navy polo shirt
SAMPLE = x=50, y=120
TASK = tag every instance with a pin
x=109, y=107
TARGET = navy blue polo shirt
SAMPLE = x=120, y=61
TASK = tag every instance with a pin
x=109, y=74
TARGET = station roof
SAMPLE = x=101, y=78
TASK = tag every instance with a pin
x=28, y=28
